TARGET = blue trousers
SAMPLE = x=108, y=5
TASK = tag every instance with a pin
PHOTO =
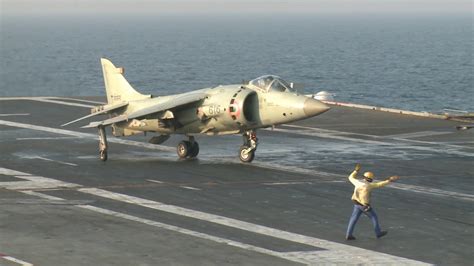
x=356, y=212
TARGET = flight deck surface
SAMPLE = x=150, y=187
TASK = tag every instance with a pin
x=60, y=205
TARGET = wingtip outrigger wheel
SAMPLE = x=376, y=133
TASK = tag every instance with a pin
x=102, y=144
x=103, y=155
x=247, y=151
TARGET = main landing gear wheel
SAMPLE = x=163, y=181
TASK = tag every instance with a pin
x=102, y=144
x=187, y=149
x=194, y=150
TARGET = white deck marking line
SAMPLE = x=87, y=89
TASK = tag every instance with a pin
x=287, y=183
x=327, y=130
x=419, y=134
x=392, y=137
x=86, y=135
x=376, y=142
x=46, y=100
x=197, y=234
x=47, y=138
x=41, y=195
x=332, y=253
x=399, y=186
x=190, y=188
x=75, y=99
x=293, y=169
x=345, y=251
x=22, y=114
x=301, y=182
x=5, y=171
x=176, y=229
x=342, y=255
x=288, y=169
x=432, y=191
x=455, y=142
x=442, y=144
x=155, y=181
x=34, y=182
x=15, y=260
x=51, y=160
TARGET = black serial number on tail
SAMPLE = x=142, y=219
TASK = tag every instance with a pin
x=116, y=97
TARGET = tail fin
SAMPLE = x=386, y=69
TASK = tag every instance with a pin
x=117, y=87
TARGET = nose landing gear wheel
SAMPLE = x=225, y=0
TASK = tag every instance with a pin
x=247, y=151
x=245, y=155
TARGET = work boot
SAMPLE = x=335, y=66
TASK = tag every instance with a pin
x=382, y=234
x=350, y=238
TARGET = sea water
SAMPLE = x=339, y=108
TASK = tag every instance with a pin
x=419, y=63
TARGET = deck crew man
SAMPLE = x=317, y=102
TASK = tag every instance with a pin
x=361, y=199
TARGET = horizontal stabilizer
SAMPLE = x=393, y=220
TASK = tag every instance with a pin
x=101, y=110
x=107, y=122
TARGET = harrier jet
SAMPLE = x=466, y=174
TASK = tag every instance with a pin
x=227, y=109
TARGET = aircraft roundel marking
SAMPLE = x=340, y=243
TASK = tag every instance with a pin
x=234, y=109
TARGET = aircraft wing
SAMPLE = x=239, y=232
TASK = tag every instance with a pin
x=176, y=102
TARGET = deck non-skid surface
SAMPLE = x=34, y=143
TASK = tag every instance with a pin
x=60, y=205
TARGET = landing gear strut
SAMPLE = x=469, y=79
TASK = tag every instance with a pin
x=247, y=151
x=102, y=144
x=188, y=149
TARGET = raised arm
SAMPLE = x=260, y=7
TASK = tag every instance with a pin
x=352, y=176
x=383, y=183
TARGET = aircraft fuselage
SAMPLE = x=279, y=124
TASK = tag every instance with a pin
x=229, y=109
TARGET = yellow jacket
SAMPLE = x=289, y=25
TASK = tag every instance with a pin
x=362, y=189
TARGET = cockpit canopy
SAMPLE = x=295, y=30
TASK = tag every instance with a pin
x=270, y=83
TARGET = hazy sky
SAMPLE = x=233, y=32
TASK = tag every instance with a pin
x=240, y=6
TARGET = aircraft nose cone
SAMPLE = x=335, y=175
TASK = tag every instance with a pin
x=314, y=107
